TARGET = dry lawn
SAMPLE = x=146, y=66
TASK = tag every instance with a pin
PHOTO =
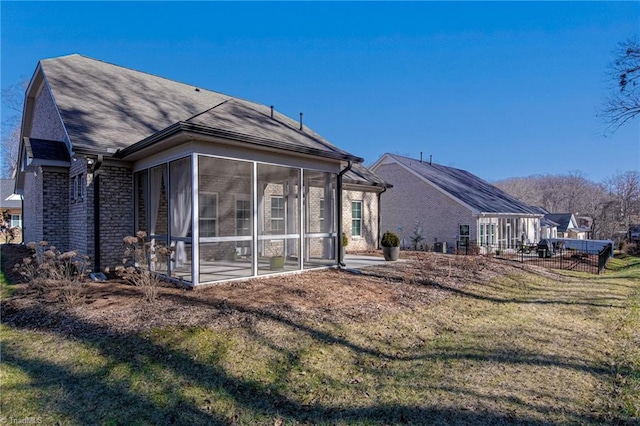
x=435, y=339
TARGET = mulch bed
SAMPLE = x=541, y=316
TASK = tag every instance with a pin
x=326, y=295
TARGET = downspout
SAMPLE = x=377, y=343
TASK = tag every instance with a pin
x=96, y=213
x=379, y=216
x=340, y=259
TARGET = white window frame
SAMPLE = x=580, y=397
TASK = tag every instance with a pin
x=464, y=239
x=245, y=199
x=280, y=220
x=201, y=219
x=357, y=220
x=19, y=220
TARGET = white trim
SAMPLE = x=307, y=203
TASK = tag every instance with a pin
x=217, y=216
x=360, y=219
x=278, y=237
x=195, y=225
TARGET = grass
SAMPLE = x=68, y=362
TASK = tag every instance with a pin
x=520, y=349
x=6, y=288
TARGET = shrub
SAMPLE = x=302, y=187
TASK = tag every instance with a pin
x=49, y=269
x=138, y=264
x=389, y=239
x=416, y=237
x=345, y=240
x=7, y=232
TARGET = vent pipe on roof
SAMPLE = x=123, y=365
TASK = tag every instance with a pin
x=420, y=156
x=430, y=159
x=271, y=111
x=300, y=121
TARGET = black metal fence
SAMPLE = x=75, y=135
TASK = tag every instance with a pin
x=588, y=258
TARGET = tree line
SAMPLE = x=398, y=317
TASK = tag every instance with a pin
x=613, y=205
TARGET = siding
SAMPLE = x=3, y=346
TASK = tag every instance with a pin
x=46, y=122
x=412, y=201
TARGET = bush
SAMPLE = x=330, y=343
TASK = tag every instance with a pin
x=416, y=237
x=49, y=269
x=389, y=239
x=345, y=240
x=138, y=264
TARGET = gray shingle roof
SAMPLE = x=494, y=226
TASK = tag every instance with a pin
x=466, y=187
x=6, y=190
x=105, y=106
x=562, y=219
x=361, y=175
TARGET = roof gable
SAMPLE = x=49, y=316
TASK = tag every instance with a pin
x=565, y=221
x=466, y=188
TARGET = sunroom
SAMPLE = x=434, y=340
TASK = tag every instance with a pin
x=507, y=231
x=233, y=209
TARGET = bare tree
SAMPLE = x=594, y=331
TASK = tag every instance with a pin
x=524, y=189
x=12, y=99
x=573, y=193
x=625, y=189
x=624, y=103
x=600, y=207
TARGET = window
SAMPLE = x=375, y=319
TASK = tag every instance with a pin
x=78, y=187
x=321, y=218
x=208, y=208
x=277, y=215
x=356, y=218
x=492, y=234
x=16, y=221
x=243, y=217
x=464, y=235
x=483, y=241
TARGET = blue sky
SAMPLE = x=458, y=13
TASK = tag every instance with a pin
x=502, y=90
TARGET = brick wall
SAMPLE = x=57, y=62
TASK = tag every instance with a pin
x=55, y=208
x=79, y=206
x=411, y=201
x=116, y=213
x=42, y=217
x=369, y=238
x=32, y=219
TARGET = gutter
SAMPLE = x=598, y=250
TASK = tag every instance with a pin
x=379, y=216
x=339, y=189
x=182, y=127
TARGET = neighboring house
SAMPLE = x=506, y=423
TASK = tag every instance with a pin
x=361, y=208
x=548, y=228
x=451, y=206
x=229, y=184
x=568, y=226
x=10, y=203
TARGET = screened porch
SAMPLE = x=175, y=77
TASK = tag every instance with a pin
x=228, y=218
